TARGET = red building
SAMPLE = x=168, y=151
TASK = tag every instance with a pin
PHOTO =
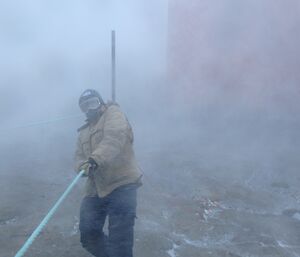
x=236, y=50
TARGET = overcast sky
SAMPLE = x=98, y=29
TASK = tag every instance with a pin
x=52, y=50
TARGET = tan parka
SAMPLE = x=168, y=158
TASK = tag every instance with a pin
x=109, y=142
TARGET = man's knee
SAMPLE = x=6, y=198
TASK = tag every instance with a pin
x=89, y=238
x=121, y=224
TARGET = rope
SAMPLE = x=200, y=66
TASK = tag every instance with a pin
x=44, y=222
x=45, y=122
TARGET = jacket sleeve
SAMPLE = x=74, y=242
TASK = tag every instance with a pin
x=79, y=156
x=116, y=132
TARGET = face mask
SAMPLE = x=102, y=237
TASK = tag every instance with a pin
x=92, y=114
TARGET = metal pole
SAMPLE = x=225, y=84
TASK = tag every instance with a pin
x=113, y=65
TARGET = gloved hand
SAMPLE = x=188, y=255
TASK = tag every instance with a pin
x=86, y=168
x=89, y=166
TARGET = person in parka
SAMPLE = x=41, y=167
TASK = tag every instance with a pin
x=105, y=153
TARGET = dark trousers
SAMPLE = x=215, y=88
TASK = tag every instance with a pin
x=120, y=208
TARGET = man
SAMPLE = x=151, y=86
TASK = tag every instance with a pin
x=105, y=153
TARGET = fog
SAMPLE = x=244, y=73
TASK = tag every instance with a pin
x=211, y=90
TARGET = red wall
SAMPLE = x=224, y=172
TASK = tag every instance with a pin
x=245, y=51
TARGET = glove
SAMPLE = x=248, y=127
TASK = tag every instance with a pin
x=89, y=166
x=86, y=168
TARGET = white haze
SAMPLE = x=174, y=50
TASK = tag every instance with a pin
x=235, y=123
x=52, y=50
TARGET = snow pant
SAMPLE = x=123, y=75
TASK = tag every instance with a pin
x=120, y=208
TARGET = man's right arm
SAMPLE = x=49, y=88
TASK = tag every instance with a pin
x=80, y=157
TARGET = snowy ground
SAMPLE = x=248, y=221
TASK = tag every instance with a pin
x=192, y=203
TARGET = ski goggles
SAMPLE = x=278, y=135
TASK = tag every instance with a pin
x=90, y=104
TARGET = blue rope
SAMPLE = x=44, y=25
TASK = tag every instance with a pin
x=44, y=222
x=40, y=123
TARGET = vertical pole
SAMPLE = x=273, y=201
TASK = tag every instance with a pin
x=113, y=65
